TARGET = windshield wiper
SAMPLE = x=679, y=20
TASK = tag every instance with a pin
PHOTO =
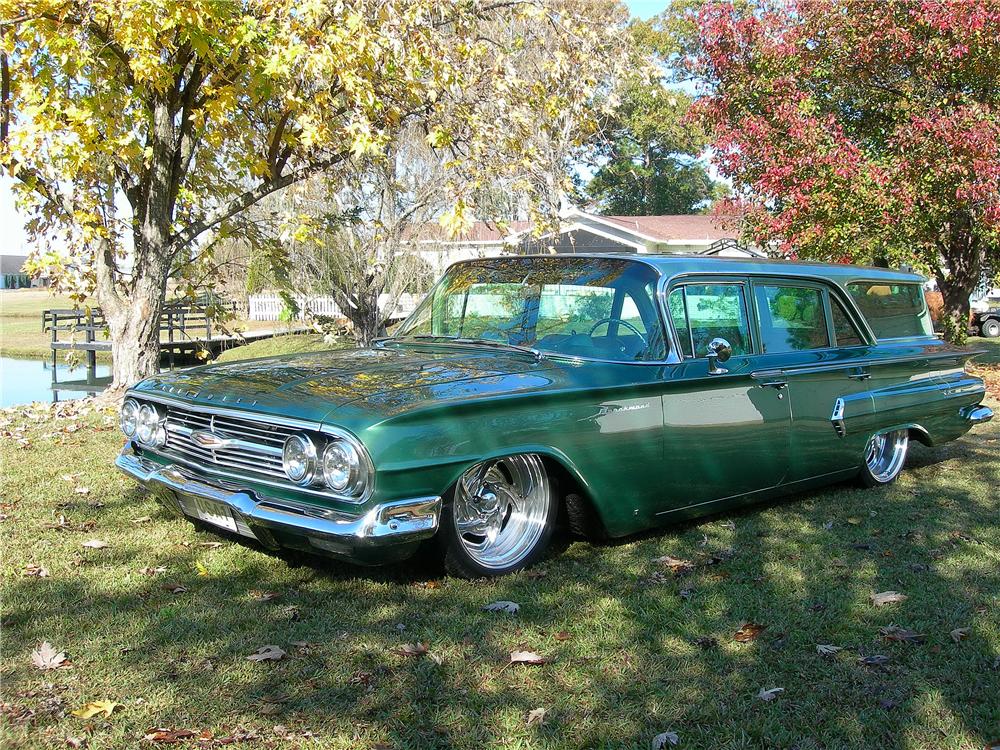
x=537, y=355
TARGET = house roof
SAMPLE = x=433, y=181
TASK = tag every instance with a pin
x=12, y=263
x=480, y=231
x=674, y=227
x=695, y=227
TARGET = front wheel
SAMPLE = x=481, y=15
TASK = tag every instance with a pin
x=885, y=455
x=500, y=518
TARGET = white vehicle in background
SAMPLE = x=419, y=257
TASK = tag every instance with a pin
x=985, y=319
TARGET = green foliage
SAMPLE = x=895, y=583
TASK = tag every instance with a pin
x=648, y=151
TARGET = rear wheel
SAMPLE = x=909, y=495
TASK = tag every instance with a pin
x=500, y=518
x=990, y=328
x=885, y=454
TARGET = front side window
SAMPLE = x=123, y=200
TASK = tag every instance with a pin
x=582, y=307
x=893, y=310
x=702, y=312
x=792, y=319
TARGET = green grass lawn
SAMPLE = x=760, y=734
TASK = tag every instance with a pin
x=631, y=649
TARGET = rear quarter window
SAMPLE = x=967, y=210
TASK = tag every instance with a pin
x=893, y=310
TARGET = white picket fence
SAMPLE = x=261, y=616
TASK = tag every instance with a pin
x=269, y=306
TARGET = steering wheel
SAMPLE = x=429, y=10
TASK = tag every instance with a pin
x=636, y=331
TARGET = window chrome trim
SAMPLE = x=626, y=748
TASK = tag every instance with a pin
x=336, y=433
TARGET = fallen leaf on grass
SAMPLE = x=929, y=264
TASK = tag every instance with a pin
x=211, y=545
x=264, y=596
x=887, y=597
x=875, y=660
x=150, y=571
x=165, y=736
x=47, y=657
x=93, y=708
x=562, y=635
x=827, y=650
x=900, y=635
x=95, y=544
x=677, y=566
x=526, y=657
x=35, y=571
x=304, y=647
x=202, y=570
x=959, y=634
x=81, y=490
x=175, y=588
x=267, y=653
x=770, y=694
x=510, y=608
x=748, y=632
x=536, y=717
x=413, y=649
x=663, y=739
x=141, y=519
x=705, y=642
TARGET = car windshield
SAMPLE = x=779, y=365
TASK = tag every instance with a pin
x=600, y=308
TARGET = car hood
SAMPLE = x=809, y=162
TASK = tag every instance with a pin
x=311, y=386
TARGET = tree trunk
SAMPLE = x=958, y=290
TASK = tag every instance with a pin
x=955, y=311
x=133, y=319
x=964, y=257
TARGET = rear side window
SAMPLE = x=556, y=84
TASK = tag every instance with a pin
x=792, y=319
x=893, y=310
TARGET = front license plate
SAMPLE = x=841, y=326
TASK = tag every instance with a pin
x=213, y=513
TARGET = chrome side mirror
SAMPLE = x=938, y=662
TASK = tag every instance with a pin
x=719, y=350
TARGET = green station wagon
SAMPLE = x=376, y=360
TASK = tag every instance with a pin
x=617, y=392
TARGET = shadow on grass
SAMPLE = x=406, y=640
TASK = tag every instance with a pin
x=630, y=652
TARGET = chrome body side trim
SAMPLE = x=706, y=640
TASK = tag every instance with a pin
x=384, y=524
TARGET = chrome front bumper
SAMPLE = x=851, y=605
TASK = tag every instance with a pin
x=979, y=414
x=381, y=534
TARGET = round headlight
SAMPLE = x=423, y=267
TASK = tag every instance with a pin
x=129, y=417
x=149, y=429
x=340, y=464
x=299, y=459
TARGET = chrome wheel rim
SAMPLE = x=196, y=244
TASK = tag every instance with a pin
x=886, y=453
x=500, y=509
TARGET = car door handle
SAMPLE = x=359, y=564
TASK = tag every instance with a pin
x=779, y=384
x=859, y=374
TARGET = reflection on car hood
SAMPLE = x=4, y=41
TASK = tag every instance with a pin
x=309, y=386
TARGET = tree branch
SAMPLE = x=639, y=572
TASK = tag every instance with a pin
x=250, y=197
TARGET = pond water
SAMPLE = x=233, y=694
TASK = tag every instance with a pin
x=25, y=380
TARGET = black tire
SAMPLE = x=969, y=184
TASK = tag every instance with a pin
x=583, y=521
x=990, y=328
x=884, y=457
x=458, y=560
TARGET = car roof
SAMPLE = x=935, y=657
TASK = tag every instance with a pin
x=675, y=264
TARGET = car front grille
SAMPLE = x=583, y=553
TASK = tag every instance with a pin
x=249, y=446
